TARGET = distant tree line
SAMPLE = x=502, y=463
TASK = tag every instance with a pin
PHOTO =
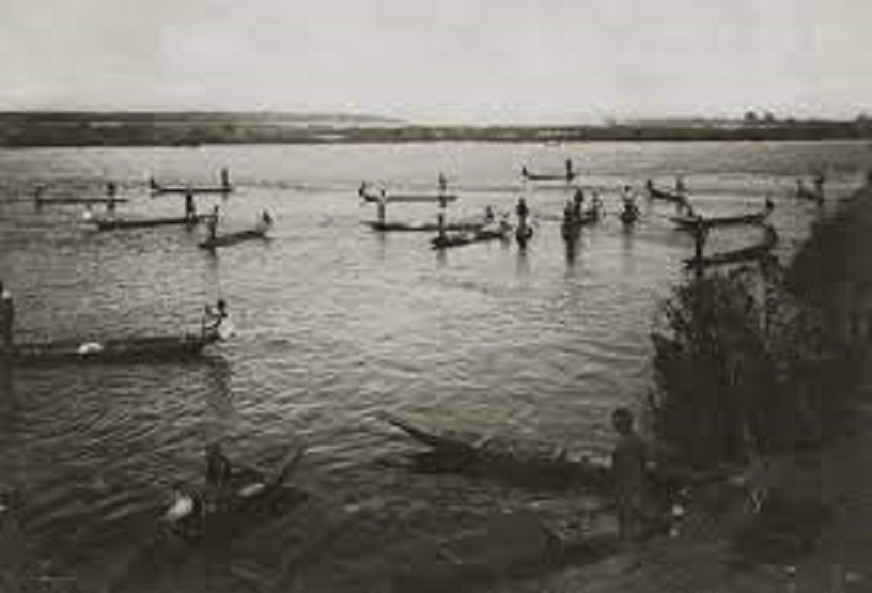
x=143, y=129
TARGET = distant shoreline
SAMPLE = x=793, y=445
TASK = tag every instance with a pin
x=59, y=129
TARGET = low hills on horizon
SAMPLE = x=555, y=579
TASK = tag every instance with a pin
x=194, y=128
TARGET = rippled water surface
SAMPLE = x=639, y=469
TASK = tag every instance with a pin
x=336, y=323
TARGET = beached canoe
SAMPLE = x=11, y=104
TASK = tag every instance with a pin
x=234, y=238
x=251, y=497
x=693, y=222
x=111, y=224
x=153, y=349
x=424, y=226
x=737, y=256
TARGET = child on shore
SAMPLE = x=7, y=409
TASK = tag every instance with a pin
x=629, y=465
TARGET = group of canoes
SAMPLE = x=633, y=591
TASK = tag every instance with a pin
x=190, y=217
x=131, y=350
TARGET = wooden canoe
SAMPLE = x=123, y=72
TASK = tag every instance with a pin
x=234, y=238
x=461, y=239
x=158, y=189
x=477, y=455
x=152, y=349
x=111, y=224
x=65, y=201
x=693, y=222
x=252, y=497
x=408, y=198
x=569, y=176
x=737, y=256
x=424, y=226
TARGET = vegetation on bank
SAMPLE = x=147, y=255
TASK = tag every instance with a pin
x=758, y=367
x=762, y=360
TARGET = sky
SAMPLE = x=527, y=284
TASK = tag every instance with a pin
x=441, y=61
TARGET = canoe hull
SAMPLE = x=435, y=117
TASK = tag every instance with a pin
x=410, y=198
x=566, y=176
x=155, y=349
x=738, y=256
x=665, y=196
x=233, y=239
x=95, y=201
x=109, y=224
x=690, y=223
x=430, y=227
x=468, y=238
x=173, y=189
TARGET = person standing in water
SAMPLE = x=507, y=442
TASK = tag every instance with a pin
x=212, y=225
x=111, y=191
x=630, y=459
x=523, y=232
x=522, y=210
x=7, y=318
x=570, y=174
x=577, y=204
x=190, y=207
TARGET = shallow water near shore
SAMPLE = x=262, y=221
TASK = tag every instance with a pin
x=336, y=323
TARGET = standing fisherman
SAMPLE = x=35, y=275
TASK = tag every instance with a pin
x=443, y=183
x=523, y=232
x=570, y=174
x=190, y=207
x=225, y=179
x=577, y=203
x=7, y=319
x=111, y=190
x=818, y=182
x=382, y=207
x=38, y=192
x=212, y=225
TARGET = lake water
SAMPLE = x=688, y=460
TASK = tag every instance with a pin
x=336, y=323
